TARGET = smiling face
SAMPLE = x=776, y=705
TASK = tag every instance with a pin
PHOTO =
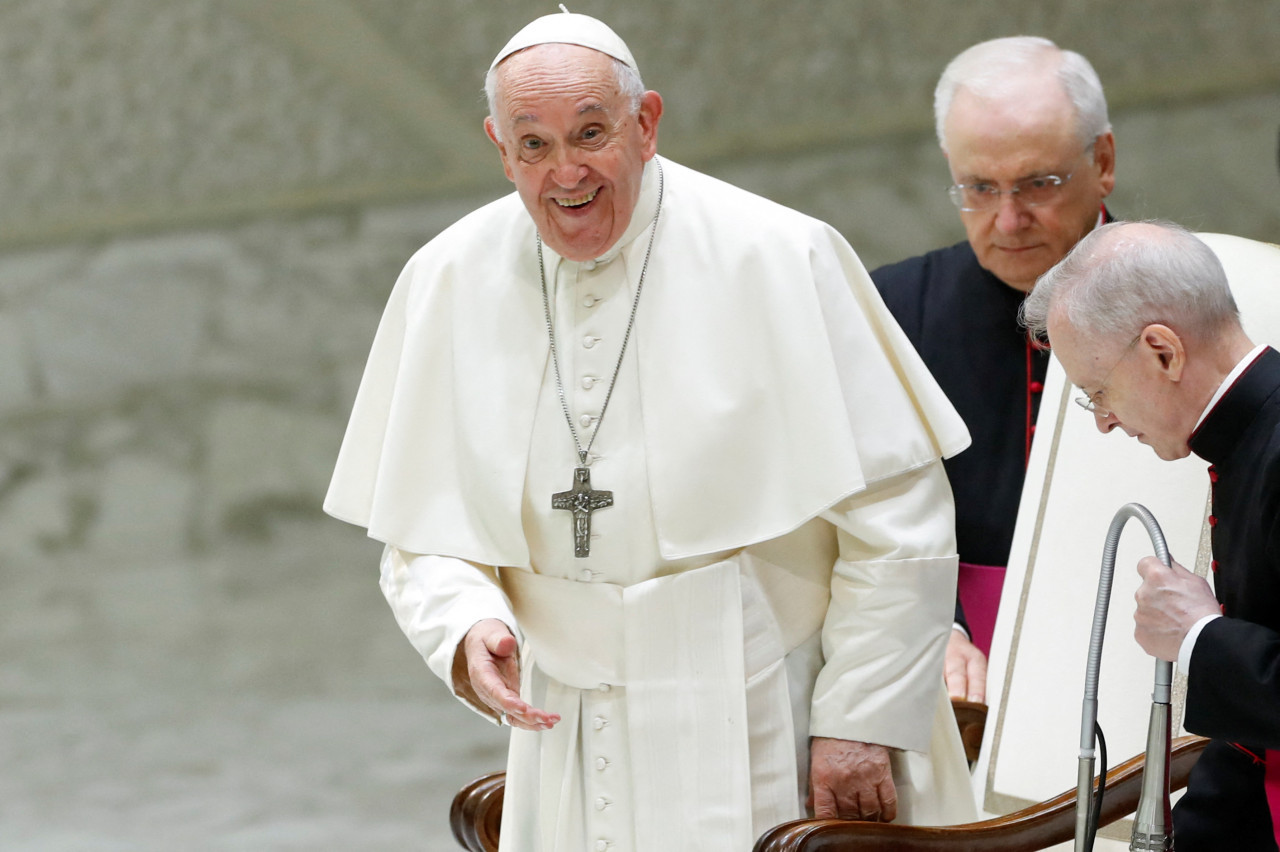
x=1030, y=131
x=572, y=144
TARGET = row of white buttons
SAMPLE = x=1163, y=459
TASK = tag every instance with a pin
x=599, y=723
x=589, y=342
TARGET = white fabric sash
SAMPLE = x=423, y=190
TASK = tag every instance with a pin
x=684, y=646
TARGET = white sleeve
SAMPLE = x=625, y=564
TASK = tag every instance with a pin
x=436, y=600
x=892, y=605
x=1189, y=642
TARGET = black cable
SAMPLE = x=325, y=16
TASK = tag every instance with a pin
x=1095, y=812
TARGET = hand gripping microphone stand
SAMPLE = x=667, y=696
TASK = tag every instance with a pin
x=1152, y=824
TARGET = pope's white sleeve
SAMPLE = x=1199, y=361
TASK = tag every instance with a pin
x=892, y=604
x=436, y=600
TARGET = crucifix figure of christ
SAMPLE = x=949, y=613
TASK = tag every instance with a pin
x=582, y=501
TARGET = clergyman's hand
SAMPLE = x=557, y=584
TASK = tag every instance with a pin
x=851, y=780
x=965, y=669
x=1170, y=602
x=493, y=666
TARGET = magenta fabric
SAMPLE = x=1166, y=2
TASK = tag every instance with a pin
x=1272, y=786
x=979, y=587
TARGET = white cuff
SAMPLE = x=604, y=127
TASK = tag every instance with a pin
x=1189, y=643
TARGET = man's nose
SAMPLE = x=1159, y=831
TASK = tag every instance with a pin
x=567, y=168
x=1105, y=420
x=1010, y=214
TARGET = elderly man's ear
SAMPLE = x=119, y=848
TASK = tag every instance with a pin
x=1166, y=348
x=1104, y=160
x=649, y=116
x=491, y=130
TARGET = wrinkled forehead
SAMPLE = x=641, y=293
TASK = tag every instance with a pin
x=555, y=77
x=1033, y=126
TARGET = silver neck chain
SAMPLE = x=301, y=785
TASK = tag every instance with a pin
x=583, y=453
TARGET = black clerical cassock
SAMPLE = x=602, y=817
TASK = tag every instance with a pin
x=1233, y=686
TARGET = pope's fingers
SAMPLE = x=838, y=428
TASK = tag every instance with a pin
x=530, y=718
x=500, y=644
x=514, y=710
x=888, y=801
x=519, y=713
x=863, y=807
x=493, y=663
x=851, y=780
x=824, y=803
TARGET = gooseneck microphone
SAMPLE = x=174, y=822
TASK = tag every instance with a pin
x=1152, y=824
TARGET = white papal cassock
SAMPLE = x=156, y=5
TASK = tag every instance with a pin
x=779, y=559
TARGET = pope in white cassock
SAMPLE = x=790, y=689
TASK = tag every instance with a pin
x=659, y=480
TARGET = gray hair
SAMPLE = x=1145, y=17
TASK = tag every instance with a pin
x=627, y=79
x=987, y=67
x=1125, y=275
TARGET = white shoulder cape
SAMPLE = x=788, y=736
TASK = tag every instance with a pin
x=773, y=381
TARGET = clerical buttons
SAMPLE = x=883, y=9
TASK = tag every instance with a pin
x=602, y=845
x=589, y=341
x=599, y=722
x=585, y=420
x=588, y=382
x=602, y=803
x=589, y=265
x=601, y=764
x=589, y=302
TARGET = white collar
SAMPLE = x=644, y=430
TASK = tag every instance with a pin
x=1235, y=373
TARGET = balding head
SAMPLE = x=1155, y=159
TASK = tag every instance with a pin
x=1125, y=275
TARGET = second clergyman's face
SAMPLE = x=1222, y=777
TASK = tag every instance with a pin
x=1029, y=133
x=572, y=144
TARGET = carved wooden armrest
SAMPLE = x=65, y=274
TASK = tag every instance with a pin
x=476, y=814
x=1036, y=827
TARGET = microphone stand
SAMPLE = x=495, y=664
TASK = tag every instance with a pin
x=1153, y=822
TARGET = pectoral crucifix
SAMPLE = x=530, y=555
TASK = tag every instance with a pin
x=582, y=501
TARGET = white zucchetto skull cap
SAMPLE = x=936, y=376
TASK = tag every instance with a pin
x=565, y=27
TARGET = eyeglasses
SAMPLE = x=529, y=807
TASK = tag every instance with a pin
x=1089, y=401
x=1031, y=192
